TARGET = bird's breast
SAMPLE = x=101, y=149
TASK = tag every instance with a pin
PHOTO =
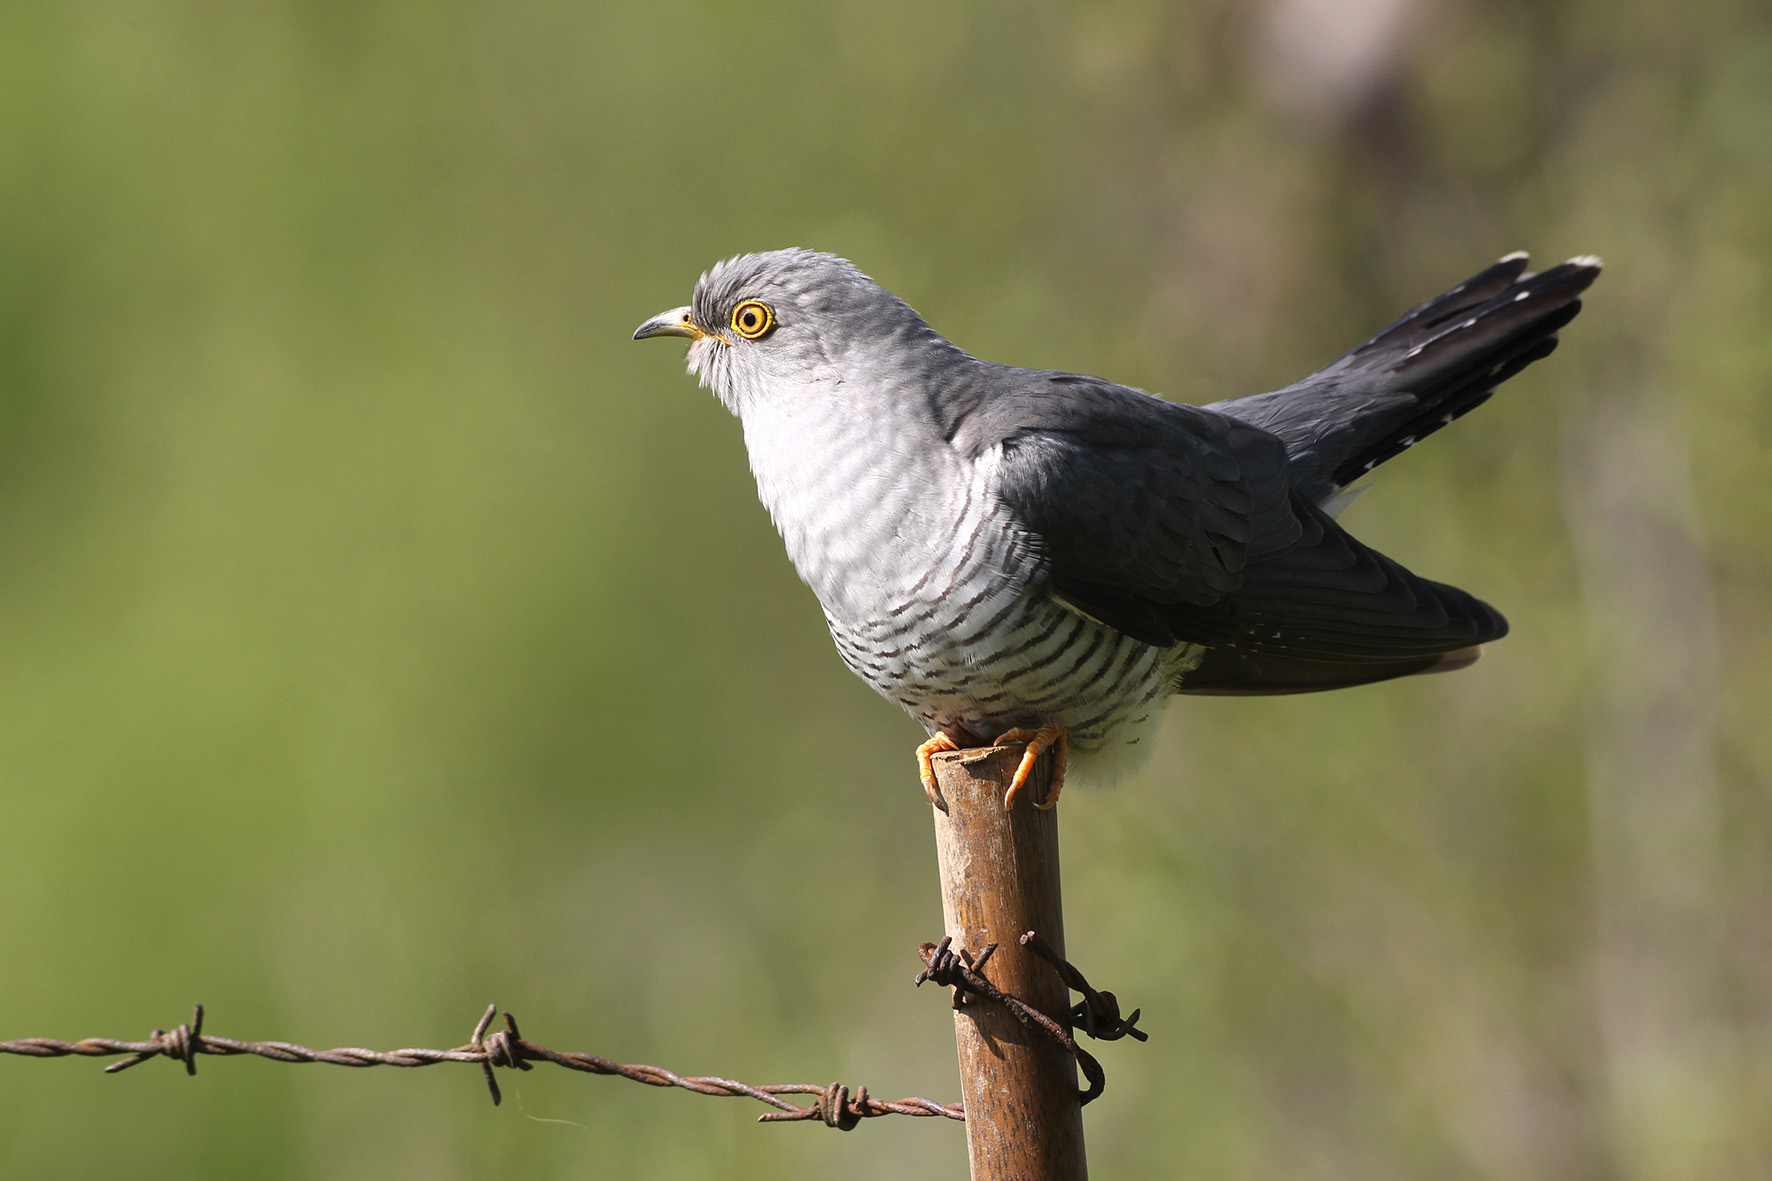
x=934, y=594
x=872, y=512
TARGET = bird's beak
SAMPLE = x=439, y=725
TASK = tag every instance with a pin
x=676, y=322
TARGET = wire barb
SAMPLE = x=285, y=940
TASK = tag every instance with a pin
x=835, y=1106
x=1098, y=1015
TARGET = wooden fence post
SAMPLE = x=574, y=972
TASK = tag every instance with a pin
x=999, y=879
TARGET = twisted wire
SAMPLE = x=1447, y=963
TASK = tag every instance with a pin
x=835, y=1106
x=1098, y=1013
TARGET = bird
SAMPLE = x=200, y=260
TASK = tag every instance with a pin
x=1038, y=557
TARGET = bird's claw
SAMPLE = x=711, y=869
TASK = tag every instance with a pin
x=926, y=768
x=1051, y=736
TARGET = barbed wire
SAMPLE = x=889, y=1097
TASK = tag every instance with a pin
x=836, y=1106
x=1098, y=1015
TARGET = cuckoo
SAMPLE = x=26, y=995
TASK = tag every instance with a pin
x=1026, y=555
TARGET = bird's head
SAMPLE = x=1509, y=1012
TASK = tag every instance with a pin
x=767, y=325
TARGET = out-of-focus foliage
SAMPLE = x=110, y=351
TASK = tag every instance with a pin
x=382, y=633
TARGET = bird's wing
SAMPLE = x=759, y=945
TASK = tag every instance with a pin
x=1136, y=503
x=1170, y=523
x=1330, y=596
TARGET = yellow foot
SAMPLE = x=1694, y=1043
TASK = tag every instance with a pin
x=926, y=769
x=1052, y=735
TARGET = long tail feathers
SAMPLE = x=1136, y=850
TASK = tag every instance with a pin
x=1434, y=365
x=1457, y=349
x=1331, y=612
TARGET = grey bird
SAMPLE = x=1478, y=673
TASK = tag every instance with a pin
x=1046, y=557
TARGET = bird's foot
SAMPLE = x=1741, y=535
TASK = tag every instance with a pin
x=1051, y=736
x=926, y=769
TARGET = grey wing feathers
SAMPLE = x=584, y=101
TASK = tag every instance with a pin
x=1435, y=364
x=1137, y=503
x=1171, y=524
x=1166, y=501
x=1331, y=597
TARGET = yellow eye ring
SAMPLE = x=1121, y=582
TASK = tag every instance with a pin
x=752, y=319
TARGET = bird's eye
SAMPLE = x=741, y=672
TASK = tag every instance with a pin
x=751, y=319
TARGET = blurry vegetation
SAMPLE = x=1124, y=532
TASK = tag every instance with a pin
x=382, y=633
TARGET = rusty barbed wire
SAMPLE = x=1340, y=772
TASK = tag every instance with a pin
x=1098, y=1015
x=835, y=1107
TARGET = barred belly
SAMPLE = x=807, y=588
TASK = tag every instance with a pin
x=988, y=653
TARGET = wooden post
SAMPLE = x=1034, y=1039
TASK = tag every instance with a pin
x=999, y=879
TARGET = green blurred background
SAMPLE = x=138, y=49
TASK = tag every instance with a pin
x=383, y=633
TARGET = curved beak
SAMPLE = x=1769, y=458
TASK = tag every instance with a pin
x=676, y=322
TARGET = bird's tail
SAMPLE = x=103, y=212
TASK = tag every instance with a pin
x=1438, y=362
